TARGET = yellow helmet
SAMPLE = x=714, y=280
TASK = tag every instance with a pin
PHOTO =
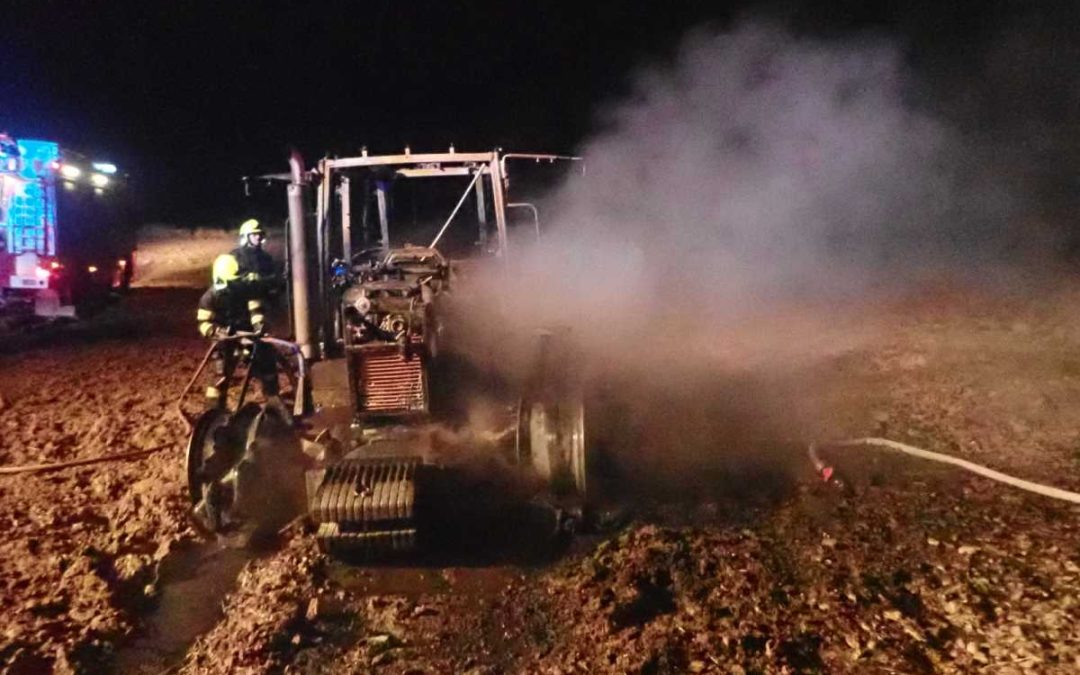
x=226, y=270
x=250, y=226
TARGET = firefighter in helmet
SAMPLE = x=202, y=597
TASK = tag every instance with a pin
x=234, y=305
x=256, y=265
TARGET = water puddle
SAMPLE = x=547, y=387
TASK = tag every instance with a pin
x=194, y=584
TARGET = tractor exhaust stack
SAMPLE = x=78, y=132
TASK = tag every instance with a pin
x=301, y=295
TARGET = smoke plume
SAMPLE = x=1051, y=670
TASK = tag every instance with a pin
x=754, y=171
x=738, y=211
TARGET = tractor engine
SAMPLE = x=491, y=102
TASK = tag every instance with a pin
x=391, y=332
x=368, y=500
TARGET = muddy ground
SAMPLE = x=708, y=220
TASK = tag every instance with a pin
x=732, y=558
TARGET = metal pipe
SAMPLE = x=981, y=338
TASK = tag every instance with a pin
x=499, y=200
x=345, y=198
x=323, y=312
x=327, y=307
x=286, y=346
x=464, y=196
x=550, y=159
x=384, y=217
x=287, y=273
x=365, y=213
x=282, y=345
x=535, y=214
x=184, y=417
x=481, y=214
x=300, y=289
x=429, y=158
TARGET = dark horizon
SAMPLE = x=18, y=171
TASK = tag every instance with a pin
x=190, y=99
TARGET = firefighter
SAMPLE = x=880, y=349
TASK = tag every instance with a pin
x=256, y=265
x=230, y=306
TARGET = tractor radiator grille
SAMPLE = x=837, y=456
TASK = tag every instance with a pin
x=391, y=383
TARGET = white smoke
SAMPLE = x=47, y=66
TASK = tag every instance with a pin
x=742, y=217
x=756, y=171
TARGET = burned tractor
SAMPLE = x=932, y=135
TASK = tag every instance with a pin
x=378, y=378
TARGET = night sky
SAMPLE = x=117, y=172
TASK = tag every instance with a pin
x=191, y=96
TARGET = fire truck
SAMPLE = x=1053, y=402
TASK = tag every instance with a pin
x=67, y=230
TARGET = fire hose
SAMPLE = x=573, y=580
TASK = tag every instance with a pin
x=827, y=472
x=41, y=468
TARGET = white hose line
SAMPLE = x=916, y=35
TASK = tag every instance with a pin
x=1044, y=490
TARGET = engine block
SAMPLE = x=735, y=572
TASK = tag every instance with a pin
x=390, y=331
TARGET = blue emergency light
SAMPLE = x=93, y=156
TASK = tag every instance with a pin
x=31, y=218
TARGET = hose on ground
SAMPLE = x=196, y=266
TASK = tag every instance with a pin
x=826, y=471
x=41, y=468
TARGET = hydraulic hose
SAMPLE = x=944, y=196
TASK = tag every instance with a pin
x=826, y=471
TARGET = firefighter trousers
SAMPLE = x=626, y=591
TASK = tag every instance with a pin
x=261, y=361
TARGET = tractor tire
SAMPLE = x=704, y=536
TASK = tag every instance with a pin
x=551, y=439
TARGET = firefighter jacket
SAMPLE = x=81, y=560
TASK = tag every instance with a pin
x=230, y=310
x=256, y=267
